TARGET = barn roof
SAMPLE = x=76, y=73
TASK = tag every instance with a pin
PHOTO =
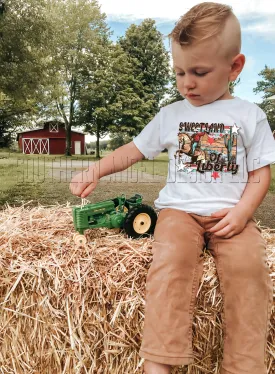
x=31, y=130
x=42, y=128
x=46, y=123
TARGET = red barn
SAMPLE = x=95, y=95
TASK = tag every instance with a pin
x=51, y=139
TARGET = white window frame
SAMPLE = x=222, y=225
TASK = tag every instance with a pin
x=53, y=127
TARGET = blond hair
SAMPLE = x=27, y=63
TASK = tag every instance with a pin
x=202, y=22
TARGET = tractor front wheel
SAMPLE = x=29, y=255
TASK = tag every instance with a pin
x=140, y=221
x=79, y=240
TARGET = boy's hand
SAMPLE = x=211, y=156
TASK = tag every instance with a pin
x=84, y=183
x=233, y=223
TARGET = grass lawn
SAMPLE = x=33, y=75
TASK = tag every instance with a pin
x=17, y=155
x=158, y=166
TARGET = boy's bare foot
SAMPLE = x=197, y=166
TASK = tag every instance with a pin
x=151, y=367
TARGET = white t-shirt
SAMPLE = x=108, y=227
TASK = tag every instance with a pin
x=211, y=149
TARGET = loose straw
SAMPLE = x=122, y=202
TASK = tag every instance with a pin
x=74, y=310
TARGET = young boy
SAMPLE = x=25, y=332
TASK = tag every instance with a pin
x=207, y=201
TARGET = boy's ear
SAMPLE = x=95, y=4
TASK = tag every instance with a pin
x=237, y=65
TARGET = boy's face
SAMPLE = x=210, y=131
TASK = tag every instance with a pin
x=202, y=72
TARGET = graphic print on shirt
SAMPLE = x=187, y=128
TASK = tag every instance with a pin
x=207, y=147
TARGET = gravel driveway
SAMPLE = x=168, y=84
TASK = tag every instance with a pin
x=65, y=170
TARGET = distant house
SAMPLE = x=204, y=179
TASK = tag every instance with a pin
x=274, y=134
x=51, y=139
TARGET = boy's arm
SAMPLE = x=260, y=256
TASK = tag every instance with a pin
x=255, y=191
x=234, y=220
x=122, y=158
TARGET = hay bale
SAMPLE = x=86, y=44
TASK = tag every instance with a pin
x=81, y=310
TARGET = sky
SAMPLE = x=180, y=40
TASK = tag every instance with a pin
x=257, y=24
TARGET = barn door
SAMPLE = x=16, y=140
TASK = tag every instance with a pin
x=35, y=146
x=44, y=146
x=77, y=147
x=27, y=146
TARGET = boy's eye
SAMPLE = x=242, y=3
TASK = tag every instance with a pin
x=196, y=73
x=200, y=74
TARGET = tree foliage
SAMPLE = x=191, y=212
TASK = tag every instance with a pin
x=146, y=51
x=46, y=47
x=13, y=116
x=118, y=140
x=110, y=101
x=24, y=38
x=80, y=36
x=25, y=33
x=267, y=87
x=232, y=85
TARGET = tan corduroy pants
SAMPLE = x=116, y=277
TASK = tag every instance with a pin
x=172, y=283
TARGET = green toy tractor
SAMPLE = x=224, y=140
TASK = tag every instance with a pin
x=137, y=219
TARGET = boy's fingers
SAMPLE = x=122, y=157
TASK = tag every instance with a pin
x=218, y=226
x=88, y=190
x=223, y=232
x=76, y=189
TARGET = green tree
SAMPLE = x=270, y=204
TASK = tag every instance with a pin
x=25, y=35
x=146, y=51
x=80, y=37
x=232, y=85
x=267, y=87
x=14, y=115
x=110, y=103
x=24, y=39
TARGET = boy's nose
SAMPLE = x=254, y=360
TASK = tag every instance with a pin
x=189, y=82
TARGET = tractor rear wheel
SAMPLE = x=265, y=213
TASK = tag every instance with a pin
x=140, y=221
